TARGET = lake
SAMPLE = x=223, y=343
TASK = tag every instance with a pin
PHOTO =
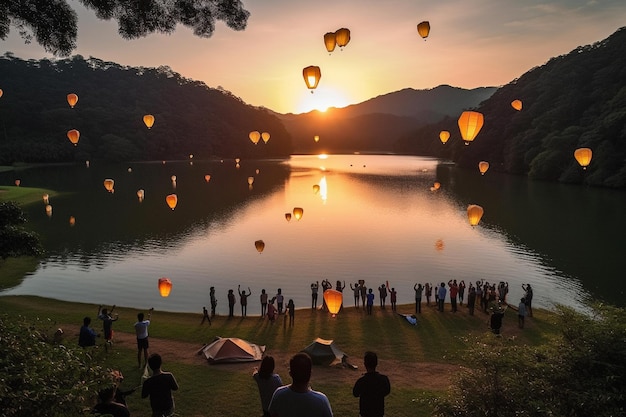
x=370, y=217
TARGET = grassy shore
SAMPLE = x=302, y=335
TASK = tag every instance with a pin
x=419, y=359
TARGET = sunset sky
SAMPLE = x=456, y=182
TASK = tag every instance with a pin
x=472, y=43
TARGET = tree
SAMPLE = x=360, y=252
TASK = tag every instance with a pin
x=15, y=241
x=53, y=23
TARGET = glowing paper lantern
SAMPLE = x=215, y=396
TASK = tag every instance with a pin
x=333, y=299
x=87, y=164
x=470, y=124
x=316, y=188
x=423, y=29
x=140, y=195
x=583, y=156
x=312, y=75
x=237, y=160
x=256, y=171
x=46, y=199
x=172, y=201
x=265, y=136
x=72, y=99
x=108, y=184
x=73, y=135
x=474, y=214
x=207, y=178
x=49, y=210
x=444, y=135
x=298, y=212
x=1, y=92
x=342, y=37
x=254, y=136
x=259, y=245
x=72, y=220
x=130, y=169
x=18, y=182
x=316, y=138
x=439, y=245
x=148, y=119
x=330, y=41
x=165, y=286
x=173, y=178
x=483, y=166
x=288, y=216
x=517, y=104
x=436, y=186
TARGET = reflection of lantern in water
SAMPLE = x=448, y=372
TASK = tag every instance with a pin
x=583, y=156
x=148, y=120
x=173, y=178
x=439, y=245
x=140, y=195
x=250, y=182
x=18, y=182
x=207, y=178
x=172, y=201
x=49, y=210
x=259, y=245
x=288, y=216
x=474, y=214
x=72, y=220
x=108, y=184
x=165, y=286
x=333, y=299
x=470, y=123
x=46, y=199
x=73, y=135
x=444, y=135
x=87, y=164
x=298, y=212
x=483, y=166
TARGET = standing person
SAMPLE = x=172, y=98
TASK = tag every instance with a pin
x=314, y=289
x=454, y=291
x=326, y=285
x=205, y=316
x=418, y=297
x=271, y=311
x=394, y=298
x=243, y=299
x=263, y=298
x=357, y=293
x=298, y=399
x=436, y=289
x=159, y=387
x=141, y=330
x=461, y=291
x=231, y=303
x=521, y=313
x=213, y=301
x=371, y=388
x=291, y=310
x=340, y=288
x=441, y=296
x=428, y=289
x=370, y=301
x=495, y=321
x=529, y=299
x=267, y=381
x=471, y=299
x=479, y=293
x=363, y=289
x=107, y=325
x=503, y=290
x=87, y=335
x=280, y=298
x=382, y=293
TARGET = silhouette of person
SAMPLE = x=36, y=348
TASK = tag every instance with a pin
x=371, y=388
x=159, y=388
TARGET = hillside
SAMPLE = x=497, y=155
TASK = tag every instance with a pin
x=574, y=100
x=190, y=118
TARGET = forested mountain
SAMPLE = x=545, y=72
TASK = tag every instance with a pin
x=575, y=100
x=190, y=118
x=375, y=124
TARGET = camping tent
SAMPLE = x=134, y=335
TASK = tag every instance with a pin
x=324, y=352
x=232, y=349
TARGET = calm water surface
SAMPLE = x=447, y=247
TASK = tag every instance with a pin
x=374, y=218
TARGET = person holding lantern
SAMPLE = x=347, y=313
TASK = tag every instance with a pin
x=107, y=325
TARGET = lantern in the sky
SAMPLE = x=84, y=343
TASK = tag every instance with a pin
x=1, y=92
x=265, y=136
x=288, y=216
x=342, y=37
x=250, y=182
x=316, y=188
x=18, y=182
x=165, y=286
x=72, y=220
x=583, y=156
x=470, y=124
x=254, y=136
x=259, y=245
x=87, y=164
x=444, y=135
x=483, y=166
x=439, y=245
x=72, y=99
x=237, y=160
x=436, y=185
x=333, y=299
x=172, y=201
x=423, y=29
x=48, y=210
x=207, y=178
x=298, y=212
x=46, y=199
x=73, y=135
x=140, y=195
x=148, y=119
x=173, y=178
x=474, y=214
x=256, y=171
x=517, y=104
x=316, y=138
x=108, y=184
x=330, y=41
x=312, y=75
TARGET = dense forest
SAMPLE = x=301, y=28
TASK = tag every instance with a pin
x=190, y=118
x=575, y=100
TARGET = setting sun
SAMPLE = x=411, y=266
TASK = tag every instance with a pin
x=322, y=99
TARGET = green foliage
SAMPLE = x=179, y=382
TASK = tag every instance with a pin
x=14, y=240
x=41, y=377
x=578, y=373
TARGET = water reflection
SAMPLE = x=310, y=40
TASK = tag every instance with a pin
x=374, y=218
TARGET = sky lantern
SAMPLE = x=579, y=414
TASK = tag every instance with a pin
x=173, y=178
x=342, y=37
x=316, y=138
x=259, y=245
x=483, y=166
x=256, y=171
x=423, y=29
x=517, y=104
x=48, y=210
x=172, y=201
x=1, y=92
x=148, y=119
x=165, y=286
x=87, y=164
x=330, y=41
x=312, y=75
x=72, y=99
x=72, y=220
x=46, y=199
x=265, y=136
x=444, y=135
x=254, y=136
x=288, y=216
x=140, y=195
x=470, y=124
x=108, y=185
x=439, y=245
x=73, y=135
x=437, y=185
x=298, y=212
x=583, y=156
x=207, y=178
x=474, y=214
x=18, y=182
x=316, y=188
x=333, y=299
